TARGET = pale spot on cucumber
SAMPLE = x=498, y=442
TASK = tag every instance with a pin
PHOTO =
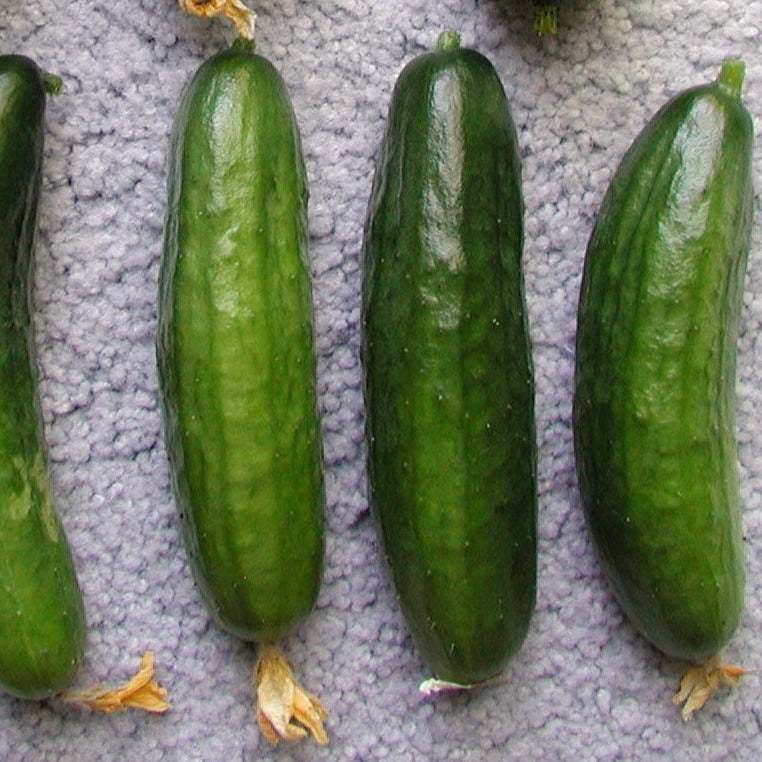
x=35, y=487
x=18, y=504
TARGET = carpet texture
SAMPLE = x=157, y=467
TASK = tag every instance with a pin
x=585, y=686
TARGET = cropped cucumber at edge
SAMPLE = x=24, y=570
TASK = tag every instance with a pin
x=448, y=375
x=42, y=623
x=654, y=413
x=236, y=352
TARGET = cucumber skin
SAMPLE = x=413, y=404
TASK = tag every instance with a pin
x=235, y=349
x=448, y=377
x=42, y=625
x=654, y=405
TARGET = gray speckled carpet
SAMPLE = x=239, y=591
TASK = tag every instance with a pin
x=585, y=686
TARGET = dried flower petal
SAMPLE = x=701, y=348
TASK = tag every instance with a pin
x=243, y=17
x=141, y=692
x=699, y=684
x=285, y=711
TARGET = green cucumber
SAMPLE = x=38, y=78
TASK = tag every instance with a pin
x=448, y=376
x=42, y=625
x=235, y=349
x=654, y=417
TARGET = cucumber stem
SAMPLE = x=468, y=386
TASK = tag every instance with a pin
x=141, y=692
x=449, y=40
x=285, y=711
x=731, y=76
x=243, y=17
x=546, y=20
x=52, y=83
x=243, y=45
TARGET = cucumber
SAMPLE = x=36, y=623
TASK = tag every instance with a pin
x=447, y=369
x=235, y=349
x=654, y=418
x=42, y=625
